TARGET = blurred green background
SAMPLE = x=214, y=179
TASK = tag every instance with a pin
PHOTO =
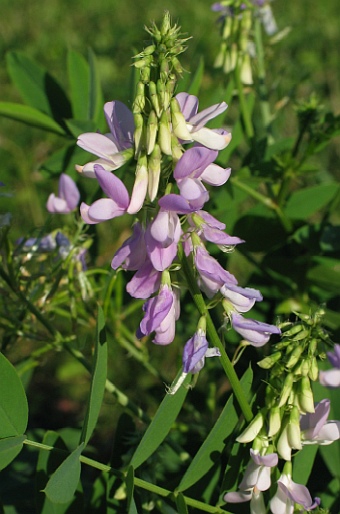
x=306, y=60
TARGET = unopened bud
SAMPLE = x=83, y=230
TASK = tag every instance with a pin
x=305, y=395
x=164, y=134
x=283, y=446
x=179, y=124
x=269, y=361
x=252, y=429
x=143, y=63
x=154, y=98
x=294, y=356
x=293, y=427
x=140, y=186
x=177, y=66
x=295, y=329
x=145, y=75
x=138, y=134
x=274, y=421
x=161, y=94
x=313, y=369
x=151, y=132
x=154, y=170
x=176, y=149
x=164, y=70
x=286, y=390
x=149, y=50
x=139, y=102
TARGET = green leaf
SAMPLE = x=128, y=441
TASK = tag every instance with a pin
x=211, y=449
x=78, y=74
x=181, y=505
x=95, y=93
x=13, y=402
x=64, y=159
x=305, y=202
x=160, y=425
x=303, y=463
x=325, y=274
x=30, y=116
x=62, y=485
x=9, y=449
x=130, y=483
x=37, y=87
x=195, y=84
x=48, y=463
x=77, y=127
x=98, y=380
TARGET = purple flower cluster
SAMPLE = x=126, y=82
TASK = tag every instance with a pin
x=172, y=218
x=331, y=377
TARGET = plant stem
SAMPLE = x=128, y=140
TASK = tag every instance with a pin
x=214, y=337
x=248, y=125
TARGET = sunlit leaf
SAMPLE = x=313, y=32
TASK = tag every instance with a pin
x=30, y=116
x=78, y=76
x=95, y=92
x=13, y=402
x=196, y=82
x=181, y=505
x=305, y=202
x=9, y=449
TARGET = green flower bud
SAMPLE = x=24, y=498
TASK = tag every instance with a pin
x=313, y=369
x=294, y=356
x=293, y=429
x=161, y=95
x=154, y=98
x=177, y=66
x=269, y=361
x=139, y=102
x=164, y=134
x=145, y=75
x=286, y=390
x=252, y=429
x=295, y=329
x=176, y=148
x=305, y=395
x=164, y=70
x=139, y=134
x=143, y=63
x=283, y=447
x=154, y=170
x=179, y=125
x=274, y=421
x=149, y=50
x=151, y=132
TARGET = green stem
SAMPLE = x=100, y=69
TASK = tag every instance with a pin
x=143, y=484
x=248, y=125
x=214, y=337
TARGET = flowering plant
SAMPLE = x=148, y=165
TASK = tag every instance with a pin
x=151, y=267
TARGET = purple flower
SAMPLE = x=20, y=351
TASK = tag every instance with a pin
x=160, y=316
x=255, y=332
x=112, y=148
x=195, y=122
x=161, y=237
x=315, y=429
x=106, y=208
x=210, y=229
x=132, y=254
x=211, y=274
x=195, y=351
x=145, y=281
x=242, y=298
x=288, y=493
x=67, y=199
x=331, y=377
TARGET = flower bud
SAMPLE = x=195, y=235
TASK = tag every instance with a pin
x=274, y=421
x=179, y=124
x=143, y=63
x=313, y=369
x=283, y=446
x=140, y=186
x=295, y=329
x=269, y=361
x=162, y=95
x=286, y=390
x=151, y=132
x=154, y=98
x=154, y=170
x=305, y=395
x=294, y=357
x=139, y=102
x=176, y=149
x=293, y=428
x=252, y=429
x=138, y=134
x=164, y=134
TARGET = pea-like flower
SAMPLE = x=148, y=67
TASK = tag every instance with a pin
x=242, y=298
x=253, y=331
x=67, y=199
x=331, y=377
x=195, y=351
x=113, y=149
x=315, y=429
x=288, y=494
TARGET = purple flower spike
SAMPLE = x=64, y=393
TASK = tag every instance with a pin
x=257, y=473
x=331, y=377
x=242, y=298
x=288, y=493
x=195, y=351
x=315, y=429
x=193, y=162
x=67, y=199
x=145, y=282
x=255, y=332
x=106, y=208
x=162, y=237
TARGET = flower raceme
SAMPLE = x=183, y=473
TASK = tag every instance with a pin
x=331, y=377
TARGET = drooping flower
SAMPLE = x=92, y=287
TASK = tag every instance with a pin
x=161, y=237
x=195, y=351
x=132, y=254
x=160, y=316
x=288, y=494
x=106, y=208
x=145, y=281
x=68, y=196
x=331, y=377
x=211, y=274
x=315, y=429
x=210, y=229
x=242, y=298
x=253, y=331
x=113, y=149
x=197, y=131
